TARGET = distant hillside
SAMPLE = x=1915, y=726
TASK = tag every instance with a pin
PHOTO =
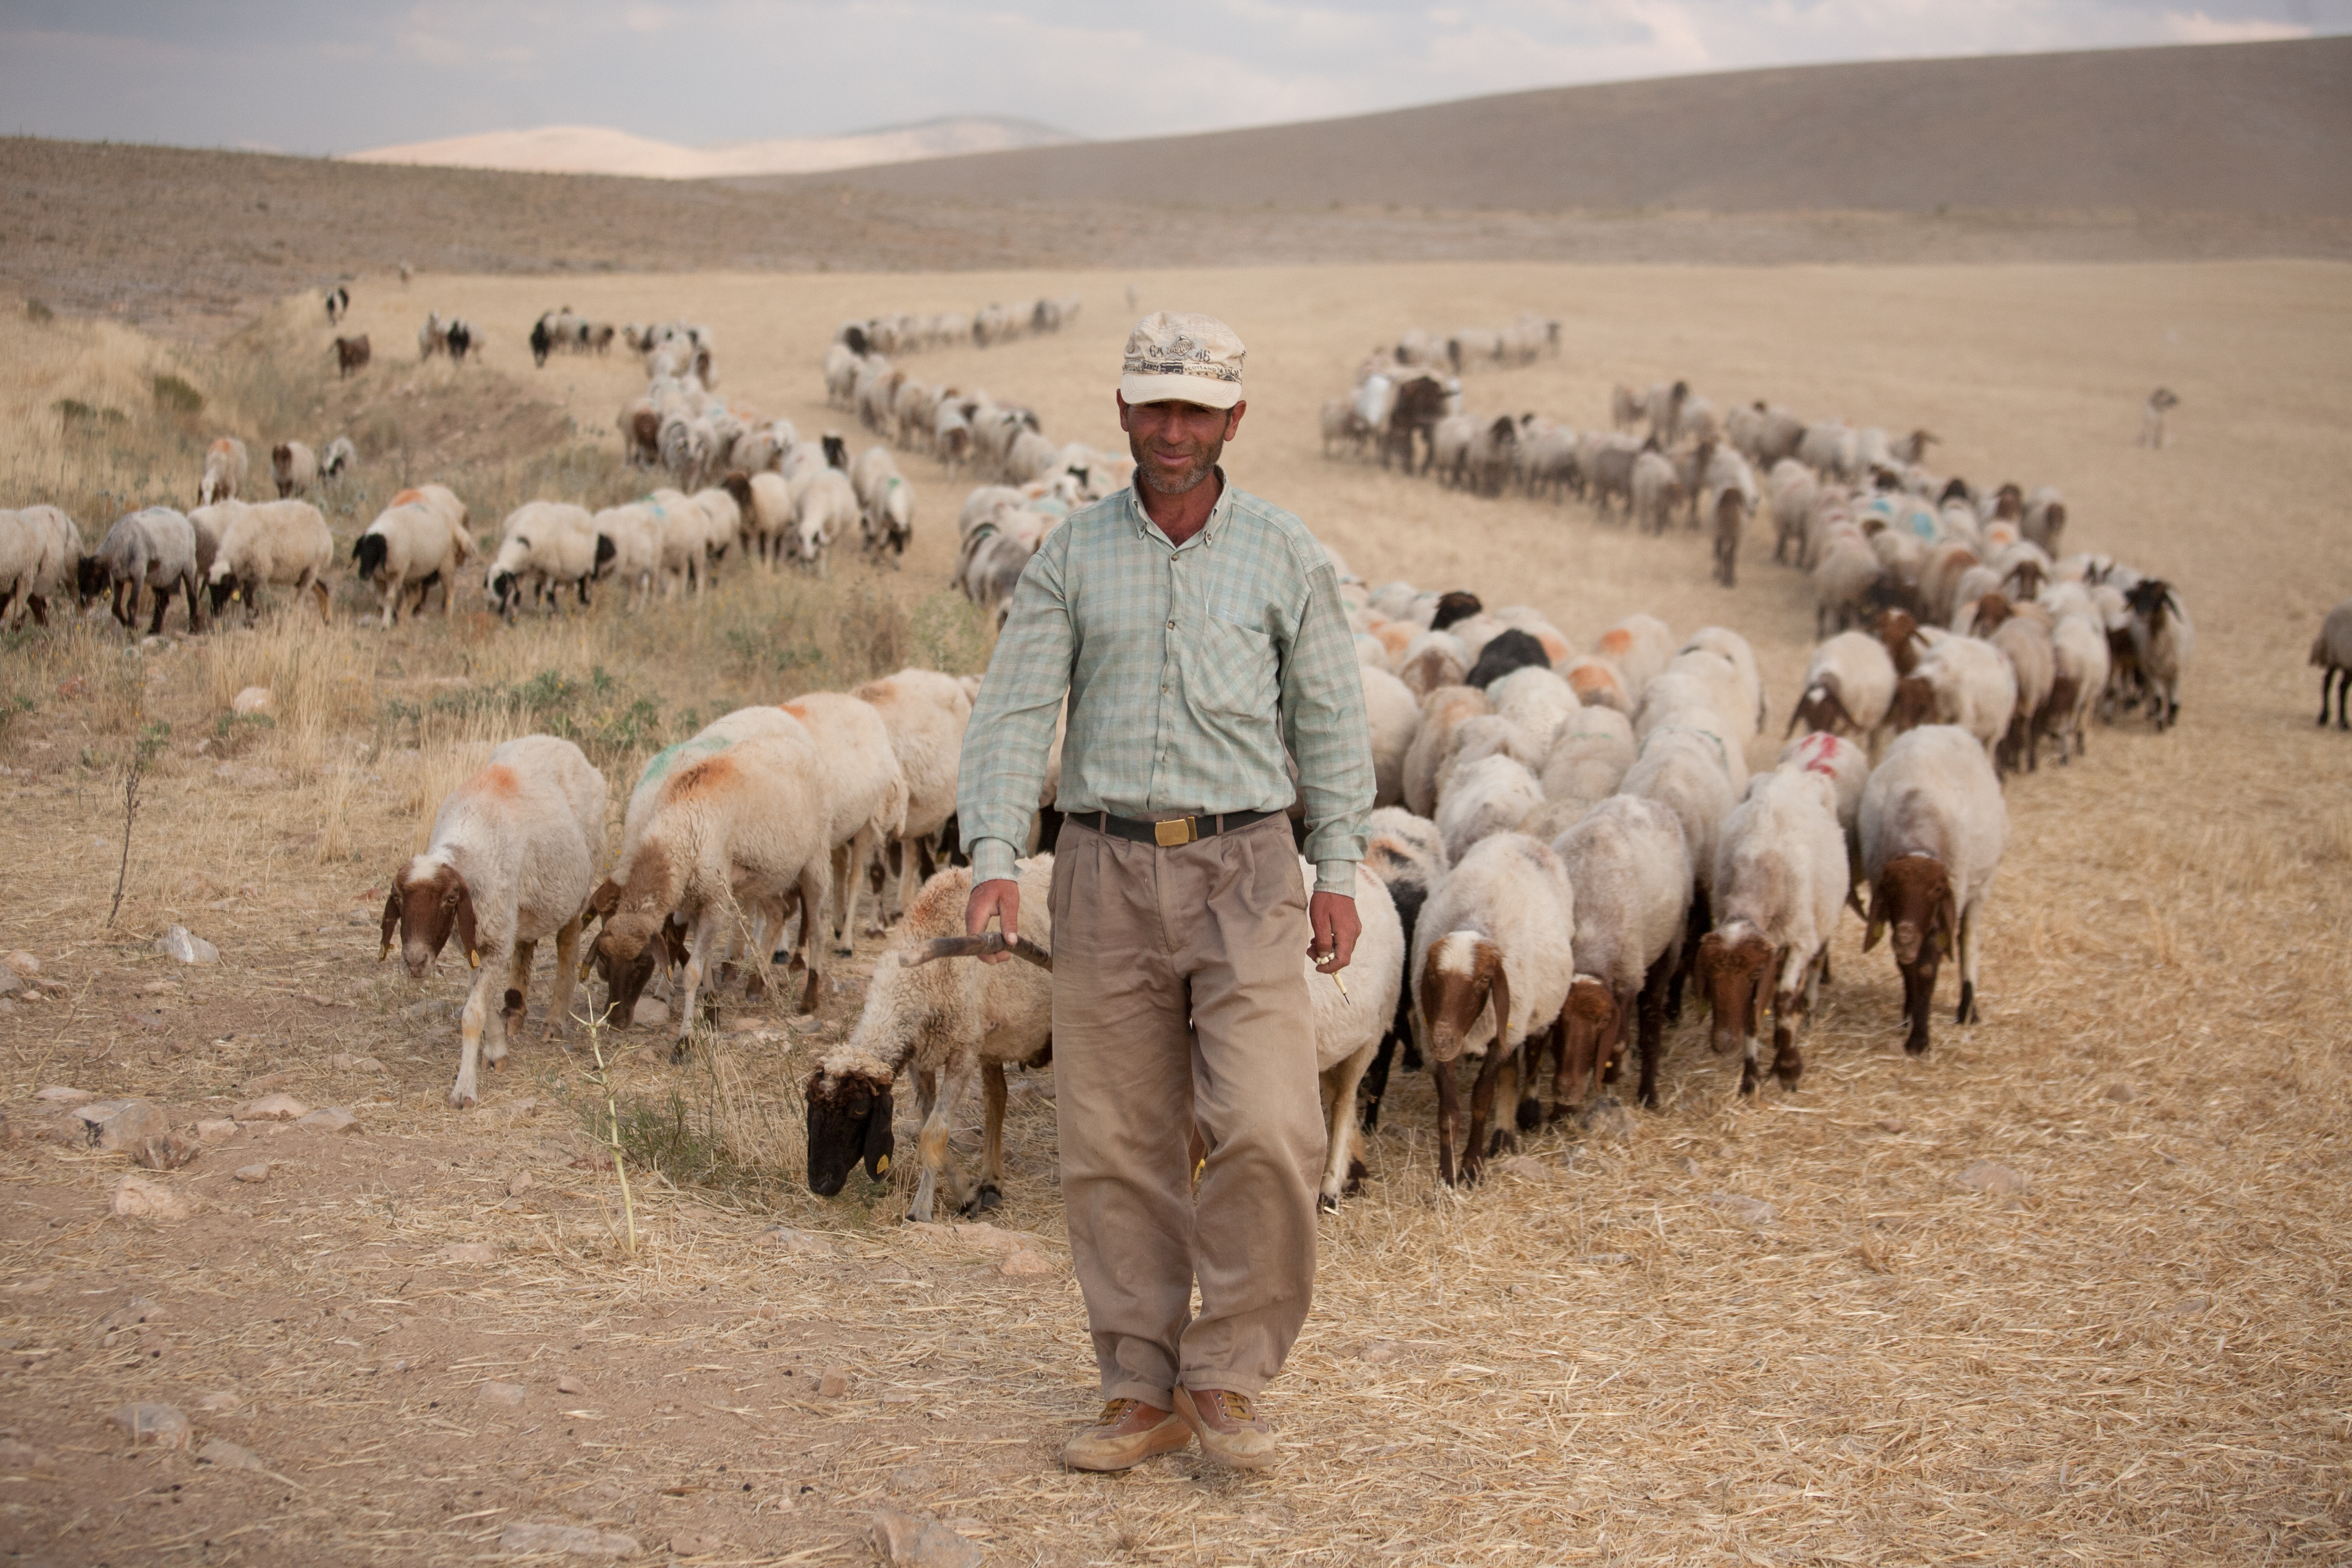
x=2233, y=128
x=600, y=149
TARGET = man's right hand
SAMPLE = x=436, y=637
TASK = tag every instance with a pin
x=1001, y=899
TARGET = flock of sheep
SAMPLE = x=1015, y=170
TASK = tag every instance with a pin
x=900, y=332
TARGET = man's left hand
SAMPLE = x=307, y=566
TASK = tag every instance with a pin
x=1337, y=928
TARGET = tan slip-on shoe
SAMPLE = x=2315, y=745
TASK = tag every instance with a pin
x=1231, y=1430
x=1127, y=1433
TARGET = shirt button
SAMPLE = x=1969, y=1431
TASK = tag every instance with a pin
x=1171, y=626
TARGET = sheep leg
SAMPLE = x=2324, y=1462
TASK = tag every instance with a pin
x=938, y=1159
x=1376, y=1078
x=567, y=956
x=511, y=1006
x=1788, y=1013
x=861, y=850
x=1482, y=1111
x=813, y=892
x=697, y=965
x=1449, y=1120
x=1968, y=1012
x=163, y=602
x=1652, y=1004
x=991, y=1191
x=472, y=1023
x=1343, y=1171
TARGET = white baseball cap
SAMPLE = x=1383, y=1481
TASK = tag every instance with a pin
x=1180, y=356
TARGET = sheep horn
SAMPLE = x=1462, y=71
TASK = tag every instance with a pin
x=976, y=946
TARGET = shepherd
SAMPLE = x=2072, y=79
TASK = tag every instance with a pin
x=1197, y=632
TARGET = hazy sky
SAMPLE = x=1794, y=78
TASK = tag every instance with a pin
x=338, y=75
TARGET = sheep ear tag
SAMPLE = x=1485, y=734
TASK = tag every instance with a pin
x=473, y=959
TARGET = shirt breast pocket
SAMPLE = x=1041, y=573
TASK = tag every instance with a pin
x=1231, y=669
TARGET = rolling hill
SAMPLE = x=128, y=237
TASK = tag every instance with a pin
x=600, y=149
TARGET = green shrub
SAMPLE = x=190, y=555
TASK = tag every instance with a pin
x=174, y=395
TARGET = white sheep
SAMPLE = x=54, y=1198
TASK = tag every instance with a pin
x=1934, y=828
x=277, y=541
x=636, y=539
x=716, y=827
x=153, y=548
x=40, y=558
x=1394, y=718
x=925, y=713
x=418, y=541
x=513, y=853
x=824, y=508
x=1492, y=794
x=552, y=545
x=865, y=791
x=1728, y=644
x=1849, y=683
x=1492, y=962
x=1350, y=1023
x=1443, y=710
x=338, y=459
x=2162, y=643
x=1681, y=769
x=1960, y=680
x=886, y=501
x=294, y=468
x=224, y=471
x=1780, y=877
x=1539, y=701
x=2078, y=648
x=1631, y=873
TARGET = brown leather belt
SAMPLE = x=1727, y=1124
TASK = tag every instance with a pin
x=1176, y=831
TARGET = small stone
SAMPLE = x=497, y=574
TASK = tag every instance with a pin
x=273, y=1108
x=506, y=1394
x=176, y=943
x=568, y=1384
x=57, y=1094
x=1526, y=1167
x=2192, y=1306
x=1607, y=1118
x=650, y=1010
x=220, y=1402
x=571, y=1539
x=216, y=1130
x=137, y=1197
x=521, y=1184
x=259, y=1173
x=23, y=963
x=1379, y=1352
x=1742, y=1210
x=10, y=981
x=1991, y=1176
x=19, y=1457
x=808, y=1023
x=267, y=1081
x=2122, y=1093
x=332, y=1120
x=228, y=1455
x=131, y=1314
x=253, y=700
x=806, y=1242
x=432, y=1009
x=349, y=1063
x=167, y=1152
x=833, y=1383
x=1891, y=1124
x=1022, y=1263
x=917, y=1540
x=468, y=1252
x=695, y=1544
x=122, y=1124
x=157, y=1423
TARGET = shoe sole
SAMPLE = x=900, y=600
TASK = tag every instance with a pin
x=1210, y=1439
x=1153, y=1444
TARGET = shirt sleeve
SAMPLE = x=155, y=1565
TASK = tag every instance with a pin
x=1003, y=771
x=1323, y=724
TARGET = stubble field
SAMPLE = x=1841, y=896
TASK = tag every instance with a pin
x=1604, y=1356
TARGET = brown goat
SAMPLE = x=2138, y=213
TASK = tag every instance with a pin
x=351, y=355
x=1730, y=518
x=1913, y=896
x=1899, y=630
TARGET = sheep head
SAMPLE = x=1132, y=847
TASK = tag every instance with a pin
x=1914, y=704
x=1821, y=710
x=625, y=953
x=223, y=586
x=423, y=906
x=1593, y=1029
x=1734, y=964
x=1461, y=973
x=1913, y=895
x=848, y=1122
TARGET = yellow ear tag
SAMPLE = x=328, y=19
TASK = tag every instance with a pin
x=882, y=1166
x=473, y=959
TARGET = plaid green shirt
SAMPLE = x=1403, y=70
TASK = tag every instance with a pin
x=1189, y=667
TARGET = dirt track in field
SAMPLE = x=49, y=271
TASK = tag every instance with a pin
x=2139, y=1358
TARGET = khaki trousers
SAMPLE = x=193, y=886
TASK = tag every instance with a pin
x=1179, y=1000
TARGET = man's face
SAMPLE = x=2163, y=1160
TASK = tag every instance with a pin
x=1176, y=445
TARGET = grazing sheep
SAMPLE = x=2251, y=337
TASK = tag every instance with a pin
x=514, y=850
x=293, y=467
x=340, y=458
x=1590, y=757
x=716, y=827
x=824, y=508
x=636, y=535
x=1655, y=492
x=1726, y=644
x=1848, y=583
x=40, y=553
x=1780, y=876
x=1791, y=491
x=864, y=792
x=1640, y=646
x=1631, y=873
x=1728, y=507
x=886, y=501
x=553, y=545
x=2162, y=643
x=277, y=541
x=152, y=549
x=224, y=471
x=1847, y=768
x=2078, y=649
x=2026, y=644
x=338, y=299
x=925, y=713
x=1506, y=653
x=2331, y=654
x=351, y=355
x=1934, y=827
x=945, y=1022
x=2045, y=519
x=1849, y=683
x=1960, y=680
x=418, y=541
x=1492, y=961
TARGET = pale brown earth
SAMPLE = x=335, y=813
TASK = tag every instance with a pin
x=1598, y=1357
x=2224, y=128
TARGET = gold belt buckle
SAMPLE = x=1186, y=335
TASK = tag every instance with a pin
x=1170, y=833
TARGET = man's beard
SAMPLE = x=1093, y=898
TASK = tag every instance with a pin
x=1203, y=465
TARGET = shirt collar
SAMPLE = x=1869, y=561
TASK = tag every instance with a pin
x=1219, y=514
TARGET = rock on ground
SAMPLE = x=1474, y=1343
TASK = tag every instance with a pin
x=273, y=1108
x=571, y=1539
x=1992, y=1176
x=915, y=1541
x=228, y=1455
x=157, y=1423
x=177, y=942
x=1742, y=1210
x=137, y=1197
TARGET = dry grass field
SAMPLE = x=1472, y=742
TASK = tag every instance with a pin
x=1602, y=1355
